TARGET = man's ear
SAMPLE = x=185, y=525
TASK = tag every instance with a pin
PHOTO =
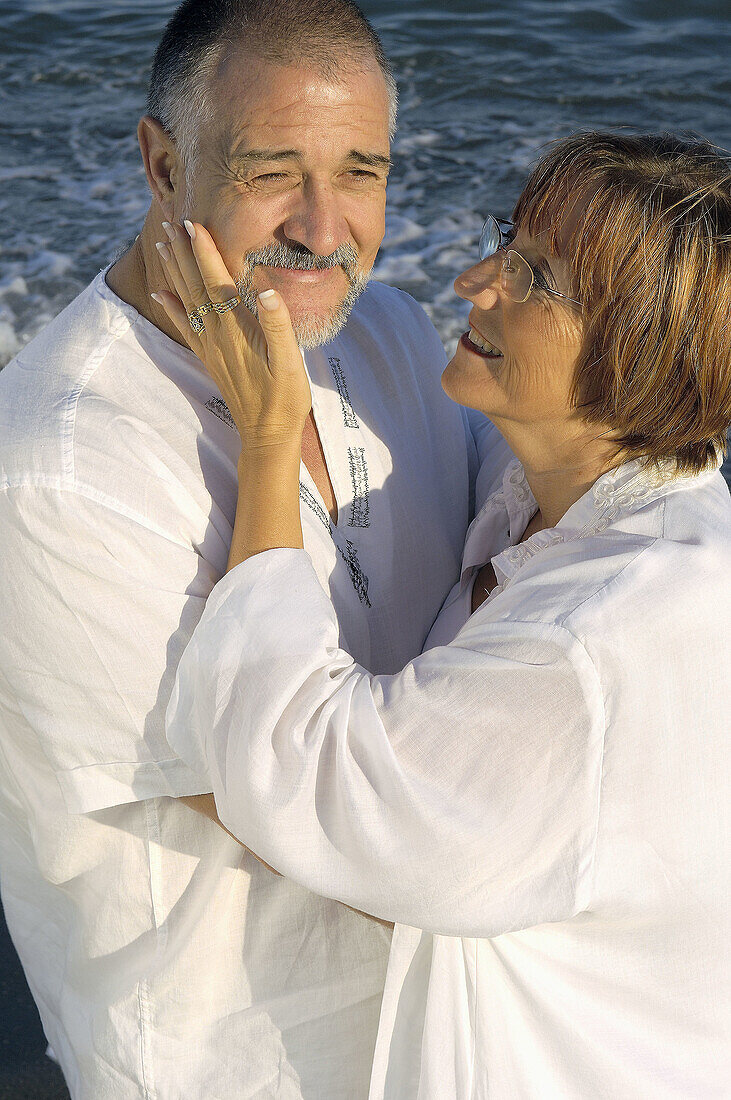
x=163, y=167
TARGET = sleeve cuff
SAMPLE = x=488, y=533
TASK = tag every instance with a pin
x=100, y=786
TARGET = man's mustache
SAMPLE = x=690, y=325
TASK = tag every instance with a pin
x=282, y=255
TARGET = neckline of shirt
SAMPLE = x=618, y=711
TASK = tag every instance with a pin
x=620, y=491
x=133, y=317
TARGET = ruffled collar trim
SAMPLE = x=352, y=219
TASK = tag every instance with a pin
x=506, y=513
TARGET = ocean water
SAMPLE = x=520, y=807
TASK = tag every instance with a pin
x=483, y=86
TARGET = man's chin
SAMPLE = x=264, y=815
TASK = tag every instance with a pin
x=314, y=324
x=314, y=330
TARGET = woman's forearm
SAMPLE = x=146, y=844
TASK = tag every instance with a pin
x=268, y=508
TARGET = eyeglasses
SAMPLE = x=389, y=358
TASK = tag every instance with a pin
x=517, y=277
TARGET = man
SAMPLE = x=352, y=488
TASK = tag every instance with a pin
x=165, y=961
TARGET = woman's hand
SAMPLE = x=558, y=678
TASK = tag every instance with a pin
x=256, y=365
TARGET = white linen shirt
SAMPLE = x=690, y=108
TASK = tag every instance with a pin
x=165, y=961
x=540, y=801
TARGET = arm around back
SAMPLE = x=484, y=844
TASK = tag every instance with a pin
x=460, y=796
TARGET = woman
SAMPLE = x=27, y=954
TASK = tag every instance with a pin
x=536, y=801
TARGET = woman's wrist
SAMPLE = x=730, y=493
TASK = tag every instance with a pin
x=267, y=510
x=270, y=449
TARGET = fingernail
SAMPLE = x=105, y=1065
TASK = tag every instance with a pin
x=191, y=229
x=169, y=229
x=163, y=250
x=157, y=298
x=269, y=299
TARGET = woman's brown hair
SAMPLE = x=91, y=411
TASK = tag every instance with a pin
x=651, y=263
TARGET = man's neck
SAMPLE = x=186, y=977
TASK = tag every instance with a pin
x=139, y=272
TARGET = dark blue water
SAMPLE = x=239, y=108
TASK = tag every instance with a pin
x=483, y=86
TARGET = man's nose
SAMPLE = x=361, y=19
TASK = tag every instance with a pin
x=479, y=284
x=317, y=222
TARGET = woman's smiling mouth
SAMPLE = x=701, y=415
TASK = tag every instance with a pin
x=478, y=345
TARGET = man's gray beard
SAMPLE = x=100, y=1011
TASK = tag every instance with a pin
x=309, y=332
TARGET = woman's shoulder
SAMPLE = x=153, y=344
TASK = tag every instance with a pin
x=618, y=575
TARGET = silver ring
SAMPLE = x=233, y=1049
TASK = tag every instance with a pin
x=224, y=307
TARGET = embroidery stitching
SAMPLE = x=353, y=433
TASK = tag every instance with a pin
x=350, y=420
x=614, y=494
x=357, y=576
x=644, y=487
x=349, y=554
x=307, y=498
x=360, y=508
x=219, y=408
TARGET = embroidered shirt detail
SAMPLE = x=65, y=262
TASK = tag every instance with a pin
x=519, y=484
x=360, y=508
x=618, y=492
x=614, y=494
x=520, y=554
x=357, y=576
x=219, y=408
x=349, y=554
x=350, y=420
x=307, y=498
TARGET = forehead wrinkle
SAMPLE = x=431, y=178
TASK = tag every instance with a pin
x=302, y=101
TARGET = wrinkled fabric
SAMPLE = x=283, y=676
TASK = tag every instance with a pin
x=539, y=801
x=165, y=961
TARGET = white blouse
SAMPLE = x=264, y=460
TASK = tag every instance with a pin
x=540, y=802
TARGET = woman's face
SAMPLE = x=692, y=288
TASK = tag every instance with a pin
x=519, y=365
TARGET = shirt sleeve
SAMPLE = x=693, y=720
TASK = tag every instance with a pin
x=95, y=610
x=460, y=796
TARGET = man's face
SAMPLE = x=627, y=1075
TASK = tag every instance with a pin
x=292, y=172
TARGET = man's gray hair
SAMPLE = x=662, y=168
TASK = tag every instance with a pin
x=332, y=35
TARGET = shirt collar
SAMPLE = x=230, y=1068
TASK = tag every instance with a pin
x=495, y=531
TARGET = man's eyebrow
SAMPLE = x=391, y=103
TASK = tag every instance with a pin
x=268, y=156
x=373, y=160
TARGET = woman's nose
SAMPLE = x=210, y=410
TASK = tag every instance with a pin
x=479, y=284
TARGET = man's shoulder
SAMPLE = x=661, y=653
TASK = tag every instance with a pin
x=384, y=304
x=388, y=322
x=62, y=355
x=71, y=397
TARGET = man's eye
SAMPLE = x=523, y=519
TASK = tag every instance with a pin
x=269, y=177
x=362, y=174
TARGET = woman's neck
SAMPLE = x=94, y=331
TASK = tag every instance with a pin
x=561, y=465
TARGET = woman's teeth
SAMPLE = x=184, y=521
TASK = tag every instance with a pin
x=482, y=344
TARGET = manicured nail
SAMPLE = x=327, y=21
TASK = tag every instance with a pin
x=157, y=298
x=269, y=299
x=191, y=229
x=163, y=250
x=169, y=229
